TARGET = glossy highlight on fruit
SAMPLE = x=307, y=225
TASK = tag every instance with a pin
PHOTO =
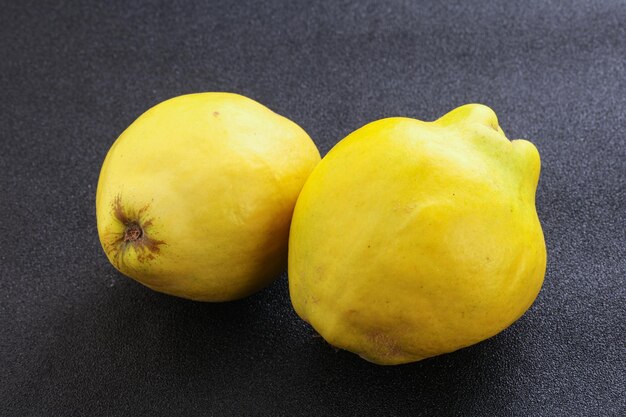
x=412, y=239
x=195, y=197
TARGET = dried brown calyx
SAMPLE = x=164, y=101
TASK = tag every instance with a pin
x=132, y=233
x=134, y=236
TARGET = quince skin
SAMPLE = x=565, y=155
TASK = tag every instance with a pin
x=411, y=239
x=195, y=198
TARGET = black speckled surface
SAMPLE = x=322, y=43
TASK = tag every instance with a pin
x=77, y=338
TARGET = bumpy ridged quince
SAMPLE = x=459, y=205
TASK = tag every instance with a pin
x=195, y=198
x=412, y=239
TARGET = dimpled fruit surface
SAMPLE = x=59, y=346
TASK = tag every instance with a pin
x=412, y=239
x=195, y=198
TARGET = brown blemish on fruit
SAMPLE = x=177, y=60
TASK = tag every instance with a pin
x=384, y=345
x=216, y=113
x=135, y=235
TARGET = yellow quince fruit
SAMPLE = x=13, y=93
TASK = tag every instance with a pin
x=411, y=239
x=195, y=198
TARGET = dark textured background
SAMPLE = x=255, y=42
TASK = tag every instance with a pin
x=77, y=338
